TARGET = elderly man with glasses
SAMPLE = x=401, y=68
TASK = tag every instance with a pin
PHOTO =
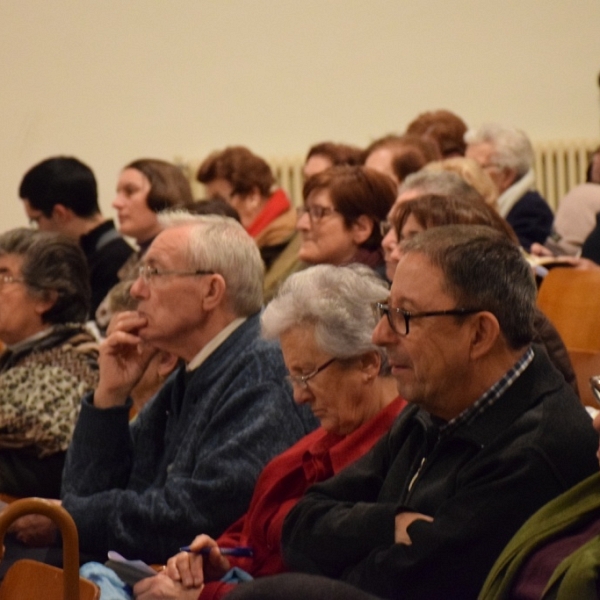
x=190, y=459
x=492, y=433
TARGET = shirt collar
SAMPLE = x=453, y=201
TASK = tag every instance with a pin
x=489, y=398
x=213, y=344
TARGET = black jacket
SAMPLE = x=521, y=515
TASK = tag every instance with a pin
x=479, y=483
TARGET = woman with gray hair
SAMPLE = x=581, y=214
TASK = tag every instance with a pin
x=323, y=320
x=49, y=361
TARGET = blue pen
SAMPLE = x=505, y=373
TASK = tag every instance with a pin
x=237, y=551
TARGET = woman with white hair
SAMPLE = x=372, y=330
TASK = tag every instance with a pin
x=506, y=154
x=323, y=320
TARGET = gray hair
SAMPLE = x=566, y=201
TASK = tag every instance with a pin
x=483, y=270
x=512, y=148
x=222, y=245
x=52, y=263
x=439, y=183
x=336, y=301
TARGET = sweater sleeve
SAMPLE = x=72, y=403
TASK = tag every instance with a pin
x=200, y=482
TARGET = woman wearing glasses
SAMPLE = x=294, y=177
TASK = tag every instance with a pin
x=50, y=359
x=343, y=207
x=323, y=320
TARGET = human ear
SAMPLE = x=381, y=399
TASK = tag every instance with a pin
x=45, y=302
x=216, y=292
x=362, y=229
x=370, y=364
x=485, y=330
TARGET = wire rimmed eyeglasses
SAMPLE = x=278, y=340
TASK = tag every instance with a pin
x=399, y=319
x=316, y=212
x=148, y=273
x=301, y=381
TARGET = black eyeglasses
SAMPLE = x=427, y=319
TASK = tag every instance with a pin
x=399, y=319
x=302, y=380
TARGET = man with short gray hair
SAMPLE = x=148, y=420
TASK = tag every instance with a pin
x=506, y=154
x=190, y=459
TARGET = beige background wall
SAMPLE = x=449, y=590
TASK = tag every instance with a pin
x=115, y=80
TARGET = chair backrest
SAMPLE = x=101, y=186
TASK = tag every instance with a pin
x=28, y=579
x=586, y=364
x=570, y=298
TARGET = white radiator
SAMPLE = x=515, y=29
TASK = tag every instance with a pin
x=559, y=166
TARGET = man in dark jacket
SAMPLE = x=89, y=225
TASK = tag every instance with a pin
x=494, y=432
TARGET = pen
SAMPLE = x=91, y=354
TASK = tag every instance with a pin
x=237, y=551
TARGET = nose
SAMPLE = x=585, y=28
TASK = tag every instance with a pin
x=389, y=242
x=139, y=289
x=396, y=253
x=117, y=202
x=383, y=335
x=302, y=395
x=303, y=223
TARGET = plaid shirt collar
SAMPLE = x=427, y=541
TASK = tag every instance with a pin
x=490, y=397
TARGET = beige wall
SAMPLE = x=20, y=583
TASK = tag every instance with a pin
x=115, y=80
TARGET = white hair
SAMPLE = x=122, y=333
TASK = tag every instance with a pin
x=512, y=147
x=222, y=245
x=337, y=301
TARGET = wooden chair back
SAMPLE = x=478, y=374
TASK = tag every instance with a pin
x=570, y=298
x=32, y=580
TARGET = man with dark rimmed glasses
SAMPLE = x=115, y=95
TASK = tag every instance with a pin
x=493, y=433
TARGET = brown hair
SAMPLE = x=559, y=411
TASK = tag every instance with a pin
x=443, y=127
x=241, y=168
x=356, y=191
x=338, y=154
x=169, y=187
x=432, y=210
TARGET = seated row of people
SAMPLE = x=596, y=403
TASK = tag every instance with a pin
x=143, y=488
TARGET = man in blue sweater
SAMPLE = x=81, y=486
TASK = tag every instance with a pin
x=190, y=459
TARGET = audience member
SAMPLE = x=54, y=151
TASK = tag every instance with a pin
x=399, y=156
x=246, y=182
x=493, y=433
x=473, y=174
x=320, y=157
x=189, y=461
x=575, y=219
x=427, y=181
x=329, y=154
x=417, y=215
x=343, y=207
x=145, y=187
x=50, y=360
x=323, y=319
x=442, y=127
x=507, y=156
x=60, y=194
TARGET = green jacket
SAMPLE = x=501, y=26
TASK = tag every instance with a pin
x=577, y=575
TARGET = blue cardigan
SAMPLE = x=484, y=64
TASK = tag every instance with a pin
x=189, y=461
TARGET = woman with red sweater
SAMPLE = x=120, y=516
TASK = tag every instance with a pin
x=323, y=320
